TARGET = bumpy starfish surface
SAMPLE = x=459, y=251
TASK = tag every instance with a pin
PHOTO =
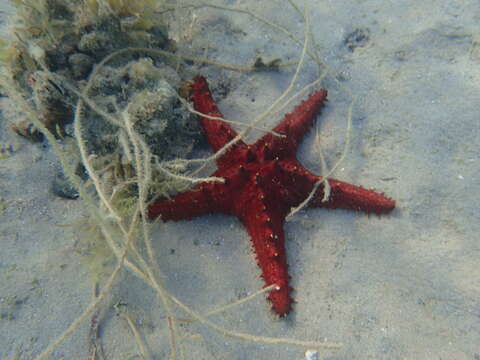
x=263, y=182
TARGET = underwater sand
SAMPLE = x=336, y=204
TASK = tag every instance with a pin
x=404, y=286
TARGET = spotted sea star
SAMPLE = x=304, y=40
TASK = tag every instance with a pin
x=263, y=182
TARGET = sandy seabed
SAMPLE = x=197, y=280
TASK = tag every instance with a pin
x=403, y=286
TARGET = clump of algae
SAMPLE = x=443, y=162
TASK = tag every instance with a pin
x=54, y=46
x=97, y=70
x=69, y=38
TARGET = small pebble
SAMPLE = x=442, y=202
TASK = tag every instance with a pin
x=62, y=187
x=311, y=355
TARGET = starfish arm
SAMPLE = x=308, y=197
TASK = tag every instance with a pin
x=265, y=228
x=352, y=197
x=218, y=132
x=198, y=201
x=295, y=124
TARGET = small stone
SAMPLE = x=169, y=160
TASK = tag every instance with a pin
x=311, y=355
x=81, y=65
x=61, y=185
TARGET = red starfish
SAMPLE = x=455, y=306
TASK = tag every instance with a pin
x=263, y=182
